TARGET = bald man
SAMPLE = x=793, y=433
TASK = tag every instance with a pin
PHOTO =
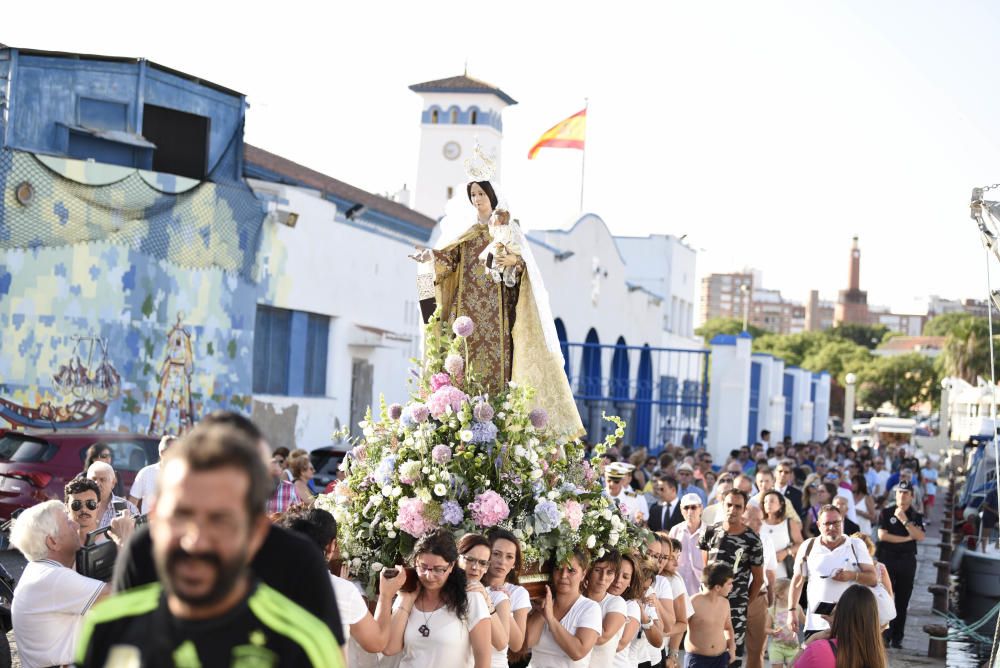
x=104, y=476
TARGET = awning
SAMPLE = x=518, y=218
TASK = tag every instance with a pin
x=376, y=337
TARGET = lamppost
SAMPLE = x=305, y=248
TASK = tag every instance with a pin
x=745, y=289
x=944, y=414
x=850, y=379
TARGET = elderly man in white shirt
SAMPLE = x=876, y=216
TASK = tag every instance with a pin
x=104, y=476
x=50, y=598
x=144, y=484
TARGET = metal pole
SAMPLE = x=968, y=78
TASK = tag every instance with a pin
x=583, y=160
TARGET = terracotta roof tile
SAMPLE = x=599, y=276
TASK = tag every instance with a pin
x=301, y=175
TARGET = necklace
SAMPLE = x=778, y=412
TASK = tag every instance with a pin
x=425, y=630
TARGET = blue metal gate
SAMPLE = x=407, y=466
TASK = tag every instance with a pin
x=662, y=393
x=754, y=402
x=787, y=388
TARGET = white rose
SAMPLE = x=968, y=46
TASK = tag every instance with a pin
x=520, y=452
x=466, y=435
x=606, y=514
x=425, y=470
x=600, y=553
x=440, y=489
x=591, y=541
x=506, y=405
x=387, y=490
x=613, y=538
x=536, y=474
x=501, y=415
x=377, y=567
x=432, y=477
x=356, y=562
x=377, y=500
x=390, y=533
x=408, y=440
x=553, y=495
x=396, y=491
x=368, y=432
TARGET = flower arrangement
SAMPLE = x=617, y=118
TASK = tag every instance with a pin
x=456, y=457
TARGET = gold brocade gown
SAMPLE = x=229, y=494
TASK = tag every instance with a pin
x=491, y=306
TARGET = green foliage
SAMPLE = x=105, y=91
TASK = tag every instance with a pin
x=838, y=357
x=231, y=349
x=901, y=380
x=731, y=326
x=868, y=336
x=147, y=306
x=946, y=323
x=210, y=348
x=966, y=351
x=793, y=348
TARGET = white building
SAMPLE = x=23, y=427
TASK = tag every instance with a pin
x=334, y=257
x=664, y=265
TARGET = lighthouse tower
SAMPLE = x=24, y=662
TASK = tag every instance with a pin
x=456, y=113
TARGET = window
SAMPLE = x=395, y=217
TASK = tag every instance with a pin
x=271, y=348
x=454, y=115
x=434, y=116
x=290, y=352
x=475, y=117
x=451, y=192
x=181, y=141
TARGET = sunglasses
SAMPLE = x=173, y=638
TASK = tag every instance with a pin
x=76, y=505
x=689, y=507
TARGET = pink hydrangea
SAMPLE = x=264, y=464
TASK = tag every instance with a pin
x=463, y=326
x=455, y=365
x=411, y=517
x=439, y=380
x=573, y=512
x=489, y=509
x=443, y=398
x=419, y=412
x=441, y=454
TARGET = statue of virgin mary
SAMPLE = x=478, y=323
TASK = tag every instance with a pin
x=499, y=286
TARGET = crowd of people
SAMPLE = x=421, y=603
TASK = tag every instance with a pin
x=798, y=555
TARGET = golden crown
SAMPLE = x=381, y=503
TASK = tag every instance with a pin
x=480, y=167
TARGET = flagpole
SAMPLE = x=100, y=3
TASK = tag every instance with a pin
x=583, y=160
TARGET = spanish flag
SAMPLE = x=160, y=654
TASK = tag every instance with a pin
x=569, y=133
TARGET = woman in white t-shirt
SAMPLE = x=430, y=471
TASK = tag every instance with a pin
x=600, y=577
x=683, y=608
x=628, y=585
x=505, y=564
x=440, y=624
x=563, y=630
x=647, y=647
x=474, y=558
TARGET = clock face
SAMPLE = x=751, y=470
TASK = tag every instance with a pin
x=452, y=150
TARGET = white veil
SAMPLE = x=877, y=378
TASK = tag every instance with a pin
x=459, y=216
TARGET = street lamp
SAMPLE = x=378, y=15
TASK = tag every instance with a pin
x=851, y=380
x=745, y=289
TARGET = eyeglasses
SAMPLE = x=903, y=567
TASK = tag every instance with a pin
x=481, y=563
x=76, y=505
x=437, y=571
x=689, y=507
x=832, y=524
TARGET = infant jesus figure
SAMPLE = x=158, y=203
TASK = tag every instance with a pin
x=505, y=239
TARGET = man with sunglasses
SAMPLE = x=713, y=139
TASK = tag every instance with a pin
x=784, y=479
x=83, y=499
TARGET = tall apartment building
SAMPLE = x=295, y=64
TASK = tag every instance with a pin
x=723, y=295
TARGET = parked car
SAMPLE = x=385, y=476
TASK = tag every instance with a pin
x=35, y=464
x=326, y=460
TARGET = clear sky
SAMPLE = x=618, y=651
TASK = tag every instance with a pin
x=768, y=132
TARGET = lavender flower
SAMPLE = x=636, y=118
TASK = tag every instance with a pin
x=539, y=418
x=483, y=412
x=441, y=454
x=420, y=412
x=455, y=365
x=451, y=512
x=463, y=326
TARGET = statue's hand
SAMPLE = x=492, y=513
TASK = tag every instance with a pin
x=509, y=259
x=421, y=254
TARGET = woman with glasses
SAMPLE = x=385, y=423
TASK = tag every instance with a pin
x=785, y=535
x=505, y=564
x=474, y=557
x=440, y=624
x=564, y=626
x=602, y=574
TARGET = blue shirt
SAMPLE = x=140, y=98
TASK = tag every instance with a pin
x=693, y=489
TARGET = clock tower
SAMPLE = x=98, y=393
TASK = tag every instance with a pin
x=457, y=112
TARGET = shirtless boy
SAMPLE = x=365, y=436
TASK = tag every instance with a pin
x=710, y=640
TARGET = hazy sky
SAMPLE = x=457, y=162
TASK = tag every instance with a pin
x=768, y=132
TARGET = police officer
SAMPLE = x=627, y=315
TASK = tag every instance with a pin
x=616, y=478
x=900, y=527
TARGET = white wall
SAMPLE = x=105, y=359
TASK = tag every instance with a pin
x=358, y=277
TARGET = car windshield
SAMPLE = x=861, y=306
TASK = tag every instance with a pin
x=17, y=448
